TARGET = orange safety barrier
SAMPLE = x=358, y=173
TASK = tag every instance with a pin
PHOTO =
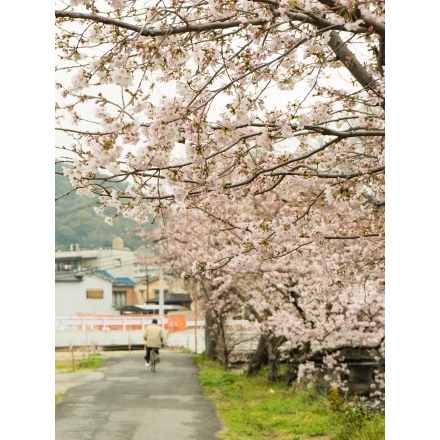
x=175, y=323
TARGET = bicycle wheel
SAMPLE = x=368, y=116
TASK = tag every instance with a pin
x=153, y=360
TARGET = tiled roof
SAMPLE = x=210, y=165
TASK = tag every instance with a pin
x=173, y=298
x=105, y=274
x=123, y=281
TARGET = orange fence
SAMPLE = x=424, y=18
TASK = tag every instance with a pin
x=172, y=323
x=176, y=323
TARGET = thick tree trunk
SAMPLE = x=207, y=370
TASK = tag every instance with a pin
x=210, y=341
x=259, y=358
x=272, y=361
x=224, y=345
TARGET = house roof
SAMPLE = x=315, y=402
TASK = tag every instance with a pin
x=72, y=276
x=105, y=274
x=117, y=281
x=173, y=298
x=148, y=308
x=68, y=276
x=124, y=281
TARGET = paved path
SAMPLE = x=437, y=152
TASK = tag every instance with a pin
x=124, y=400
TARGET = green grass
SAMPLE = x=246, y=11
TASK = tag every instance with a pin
x=254, y=408
x=58, y=397
x=88, y=362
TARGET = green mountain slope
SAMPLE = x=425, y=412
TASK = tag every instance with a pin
x=77, y=223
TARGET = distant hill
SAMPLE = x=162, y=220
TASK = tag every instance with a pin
x=76, y=221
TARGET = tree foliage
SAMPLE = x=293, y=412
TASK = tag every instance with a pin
x=255, y=130
x=311, y=301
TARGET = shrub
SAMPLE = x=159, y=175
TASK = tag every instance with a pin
x=354, y=420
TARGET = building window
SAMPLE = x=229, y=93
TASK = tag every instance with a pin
x=95, y=293
x=68, y=265
x=119, y=298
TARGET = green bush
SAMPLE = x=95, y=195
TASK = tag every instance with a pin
x=354, y=420
x=357, y=424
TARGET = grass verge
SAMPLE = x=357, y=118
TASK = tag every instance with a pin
x=89, y=362
x=253, y=408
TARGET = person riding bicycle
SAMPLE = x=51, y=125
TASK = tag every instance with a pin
x=154, y=337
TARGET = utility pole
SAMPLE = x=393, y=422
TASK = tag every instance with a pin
x=161, y=293
x=195, y=315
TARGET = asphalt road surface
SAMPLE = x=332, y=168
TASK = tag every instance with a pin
x=124, y=400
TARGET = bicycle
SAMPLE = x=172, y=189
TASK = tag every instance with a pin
x=154, y=359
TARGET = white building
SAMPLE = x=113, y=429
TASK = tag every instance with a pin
x=73, y=270
x=88, y=293
x=117, y=260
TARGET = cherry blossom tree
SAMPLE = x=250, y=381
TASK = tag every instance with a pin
x=312, y=304
x=254, y=131
x=248, y=92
